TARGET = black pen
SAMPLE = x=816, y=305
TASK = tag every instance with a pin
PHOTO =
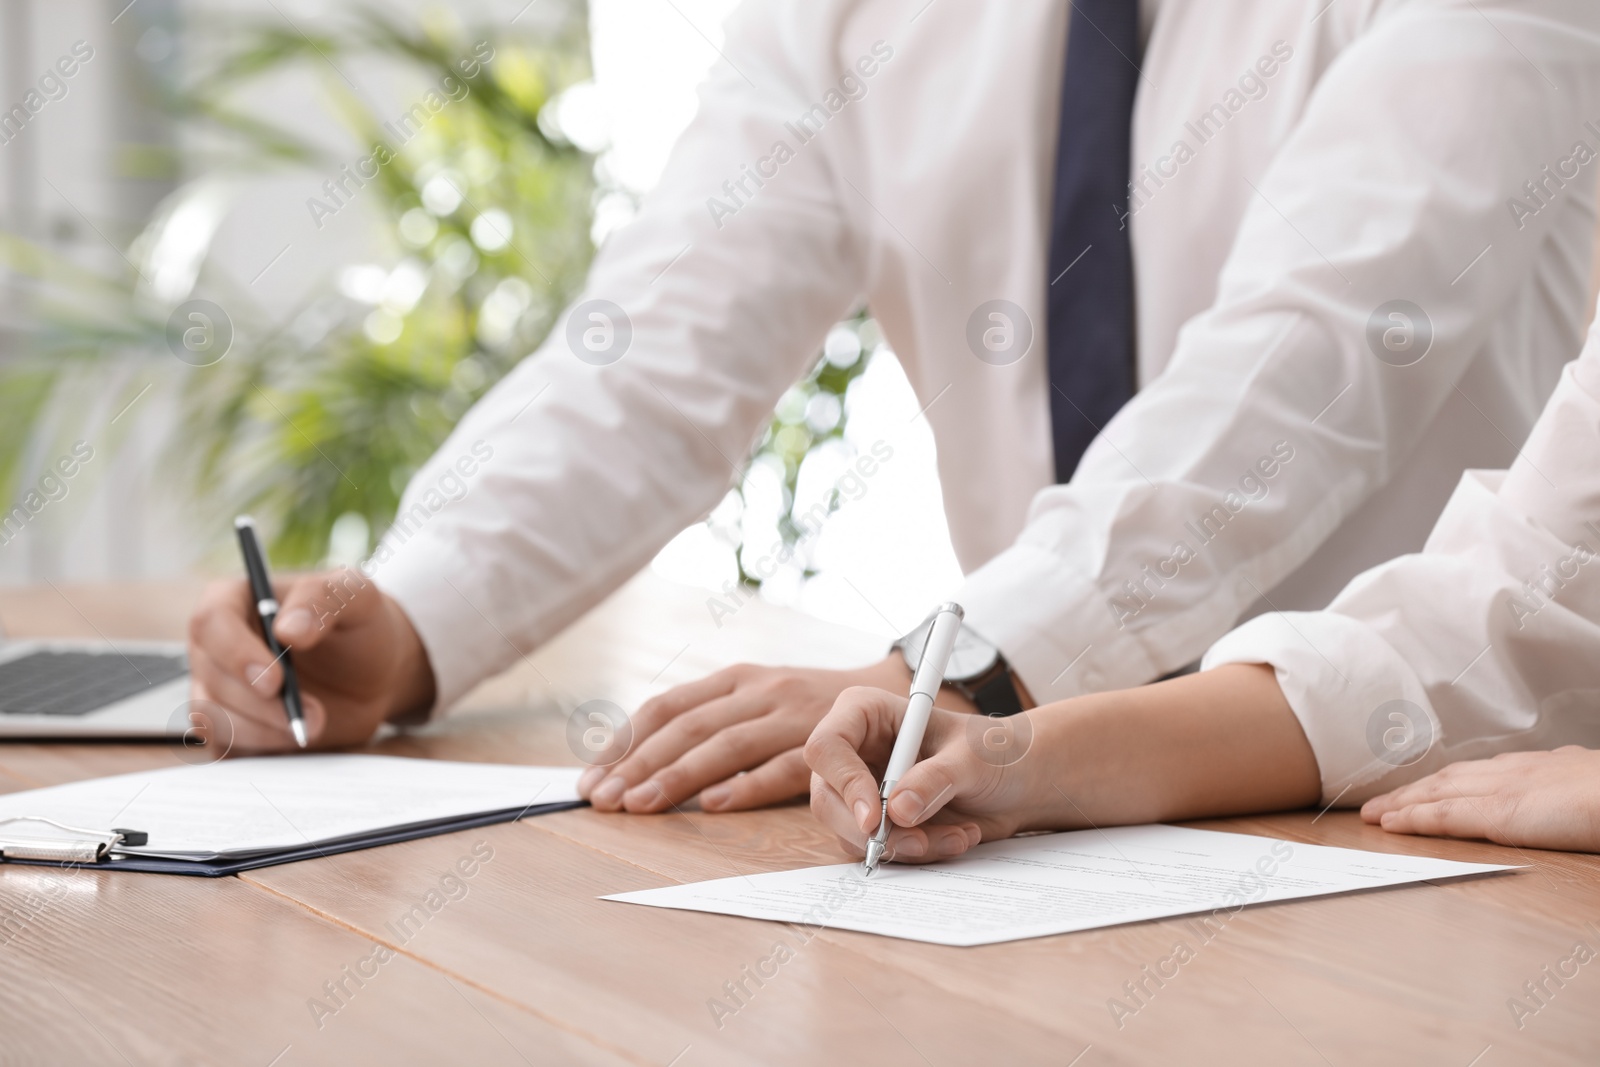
x=255, y=565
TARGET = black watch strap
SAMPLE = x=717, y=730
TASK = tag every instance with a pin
x=994, y=693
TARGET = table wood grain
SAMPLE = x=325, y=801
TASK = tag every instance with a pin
x=522, y=963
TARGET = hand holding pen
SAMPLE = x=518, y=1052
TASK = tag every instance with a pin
x=919, y=706
x=955, y=797
x=255, y=565
x=354, y=660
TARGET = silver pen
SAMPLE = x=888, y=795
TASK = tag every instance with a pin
x=925, y=685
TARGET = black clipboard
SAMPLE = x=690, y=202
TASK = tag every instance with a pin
x=113, y=860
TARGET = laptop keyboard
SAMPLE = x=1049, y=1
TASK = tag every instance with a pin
x=77, y=683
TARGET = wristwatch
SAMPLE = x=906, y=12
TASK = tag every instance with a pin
x=976, y=669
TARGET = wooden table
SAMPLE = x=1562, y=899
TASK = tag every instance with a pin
x=525, y=965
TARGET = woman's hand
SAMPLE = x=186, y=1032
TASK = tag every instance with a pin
x=1528, y=799
x=966, y=789
x=1221, y=742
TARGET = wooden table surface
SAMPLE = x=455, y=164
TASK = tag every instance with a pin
x=521, y=963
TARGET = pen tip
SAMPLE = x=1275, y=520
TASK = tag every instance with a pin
x=874, y=854
x=299, y=728
x=243, y=522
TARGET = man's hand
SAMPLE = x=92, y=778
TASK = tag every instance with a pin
x=358, y=659
x=698, y=737
x=1528, y=799
x=946, y=803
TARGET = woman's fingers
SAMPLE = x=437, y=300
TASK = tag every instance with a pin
x=1442, y=818
x=932, y=783
x=936, y=839
x=835, y=749
x=1470, y=778
x=942, y=836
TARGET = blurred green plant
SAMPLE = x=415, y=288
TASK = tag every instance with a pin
x=316, y=419
x=326, y=412
x=489, y=212
x=811, y=414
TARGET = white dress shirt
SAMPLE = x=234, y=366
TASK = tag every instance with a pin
x=1487, y=641
x=1339, y=156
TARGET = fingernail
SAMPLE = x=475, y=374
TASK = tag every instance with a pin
x=913, y=847
x=587, y=780
x=256, y=675
x=609, y=793
x=952, y=844
x=908, y=805
x=715, y=797
x=295, y=622
x=863, y=815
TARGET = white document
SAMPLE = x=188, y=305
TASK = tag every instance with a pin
x=239, y=807
x=1054, y=884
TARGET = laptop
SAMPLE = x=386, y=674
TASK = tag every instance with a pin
x=88, y=689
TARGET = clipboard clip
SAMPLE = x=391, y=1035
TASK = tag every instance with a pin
x=92, y=846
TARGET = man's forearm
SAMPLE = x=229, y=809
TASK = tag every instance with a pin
x=1222, y=742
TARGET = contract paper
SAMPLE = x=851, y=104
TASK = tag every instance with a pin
x=1055, y=884
x=241, y=807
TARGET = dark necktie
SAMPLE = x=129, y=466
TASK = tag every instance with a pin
x=1090, y=297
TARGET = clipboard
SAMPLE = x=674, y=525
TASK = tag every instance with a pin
x=166, y=835
x=100, y=851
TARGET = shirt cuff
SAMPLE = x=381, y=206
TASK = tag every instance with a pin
x=1015, y=602
x=1364, y=711
x=450, y=630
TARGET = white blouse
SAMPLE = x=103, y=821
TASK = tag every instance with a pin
x=1487, y=641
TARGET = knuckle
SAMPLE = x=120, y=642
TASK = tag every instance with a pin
x=222, y=592
x=632, y=770
x=785, y=687
x=644, y=720
x=742, y=741
x=691, y=730
x=858, y=700
x=653, y=716
x=792, y=766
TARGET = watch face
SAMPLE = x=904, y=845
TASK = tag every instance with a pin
x=969, y=659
